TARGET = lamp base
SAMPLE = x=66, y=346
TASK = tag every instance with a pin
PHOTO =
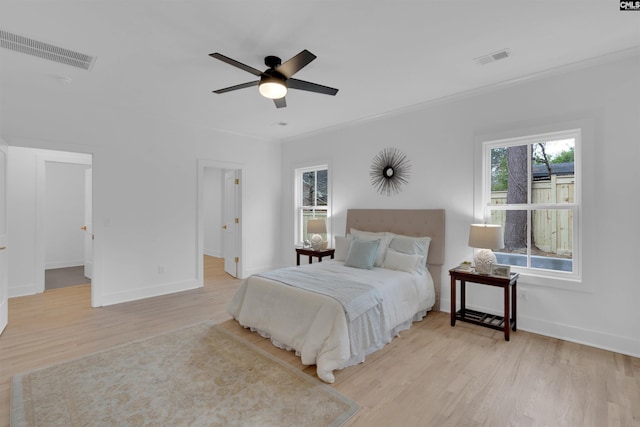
x=483, y=260
x=316, y=242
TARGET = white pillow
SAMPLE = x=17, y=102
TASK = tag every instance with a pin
x=384, y=238
x=411, y=245
x=402, y=262
x=342, y=248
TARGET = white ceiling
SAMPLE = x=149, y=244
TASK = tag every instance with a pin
x=152, y=56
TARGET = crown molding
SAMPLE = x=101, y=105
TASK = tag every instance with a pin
x=556, y=71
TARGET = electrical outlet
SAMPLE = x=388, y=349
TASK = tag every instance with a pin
x=524, y=294
x=161, y=269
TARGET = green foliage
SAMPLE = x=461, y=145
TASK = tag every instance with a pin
x=563, y=157
x=500, y=172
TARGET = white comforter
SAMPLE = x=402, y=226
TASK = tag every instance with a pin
x=315, y=325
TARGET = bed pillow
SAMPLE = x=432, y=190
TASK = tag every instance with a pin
x=362, y=253
x=342, y=248
x=402, y=262
x=384, y=238
x=411, y=245
x=356, y=232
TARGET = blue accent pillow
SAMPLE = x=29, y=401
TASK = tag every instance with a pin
x=362, y=253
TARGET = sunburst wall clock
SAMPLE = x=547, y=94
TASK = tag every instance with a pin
x=390, y=170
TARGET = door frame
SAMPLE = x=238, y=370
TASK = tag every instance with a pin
x=230, y=225
x=215, y=164
x=4, y=256
x=41, y=201
x=88, y=222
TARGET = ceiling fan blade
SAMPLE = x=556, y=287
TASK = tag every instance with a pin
x=295, y=64
x=236, y=87
x=280, y=102
x=311, y=87
x=235, y=63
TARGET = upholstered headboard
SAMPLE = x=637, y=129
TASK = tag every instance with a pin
x=410, y=222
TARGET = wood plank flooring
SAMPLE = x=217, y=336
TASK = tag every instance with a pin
x=432, y=375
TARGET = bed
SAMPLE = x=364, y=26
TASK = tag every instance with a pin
x=335, y=313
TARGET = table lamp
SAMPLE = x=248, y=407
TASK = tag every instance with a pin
x=317, y=227
x=485, y=237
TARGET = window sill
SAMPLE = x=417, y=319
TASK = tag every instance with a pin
x=567, y=283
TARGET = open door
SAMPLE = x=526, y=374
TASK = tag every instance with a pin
x=4, y=285
x=88, y=224
x=231, y=220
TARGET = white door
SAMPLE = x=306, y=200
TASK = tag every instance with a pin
x=88, y=224
x=230, y=226
x=4, y=285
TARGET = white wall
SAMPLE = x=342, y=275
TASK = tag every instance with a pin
x=212, y=206
x=64, y=215
x=441, y=139
x=145, y=193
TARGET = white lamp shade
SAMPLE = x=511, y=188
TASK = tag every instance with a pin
x=316, y=226
x=486, y=236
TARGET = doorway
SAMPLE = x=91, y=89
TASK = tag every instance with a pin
x=219, y=215
x=27, y=203
x=68, y=252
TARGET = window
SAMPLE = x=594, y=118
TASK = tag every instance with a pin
x=312, y=199
x=531, y=188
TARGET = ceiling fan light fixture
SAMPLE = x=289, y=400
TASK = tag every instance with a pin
x=272, y=87
x=273, y=83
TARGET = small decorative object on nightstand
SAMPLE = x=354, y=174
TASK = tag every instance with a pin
x=485, y=237
x=465, y=266
x=500, y=270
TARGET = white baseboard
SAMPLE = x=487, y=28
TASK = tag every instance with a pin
x=137, y=294
x=21, y=291
x=63, y=264
x=615, y=343
x=213, y=253
x=579, y=335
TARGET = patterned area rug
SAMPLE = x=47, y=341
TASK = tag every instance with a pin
x=198, y=376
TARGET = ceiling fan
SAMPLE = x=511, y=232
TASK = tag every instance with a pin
x=275, y=80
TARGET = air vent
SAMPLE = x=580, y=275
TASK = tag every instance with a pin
x=44, y=50
x=492, y=57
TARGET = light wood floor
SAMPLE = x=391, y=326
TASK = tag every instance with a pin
x=432, y=375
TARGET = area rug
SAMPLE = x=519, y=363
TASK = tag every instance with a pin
x=198, y=376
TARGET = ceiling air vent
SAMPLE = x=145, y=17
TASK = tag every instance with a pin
x=44, y=50
x=492, y=57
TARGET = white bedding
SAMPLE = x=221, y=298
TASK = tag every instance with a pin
x=315, y=325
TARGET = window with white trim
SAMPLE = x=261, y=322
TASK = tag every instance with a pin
x=312, y=199
x=531, y=186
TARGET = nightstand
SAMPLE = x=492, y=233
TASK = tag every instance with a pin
x=502, y=323
x=311, y=253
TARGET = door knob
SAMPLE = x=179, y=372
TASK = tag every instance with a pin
x=2, y=248
x=224, y=226
x=84, y=227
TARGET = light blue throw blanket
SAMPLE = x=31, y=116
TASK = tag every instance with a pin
x=356, y=297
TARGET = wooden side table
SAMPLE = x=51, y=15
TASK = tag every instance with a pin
x=506, y=322
x=311, y=253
